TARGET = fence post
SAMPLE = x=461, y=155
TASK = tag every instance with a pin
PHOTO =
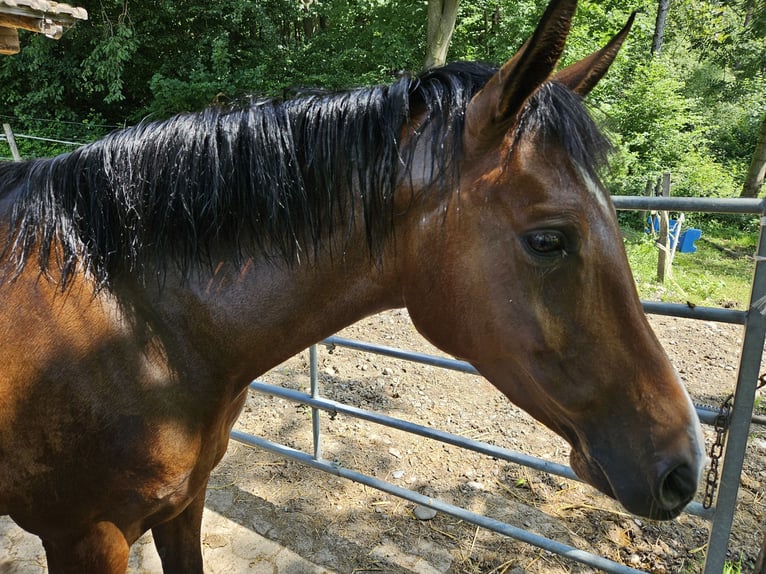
x=742, y=411
x=760, y=563
x=11, y=142
x=314, y=374
x=648, y=215
x=663, y=242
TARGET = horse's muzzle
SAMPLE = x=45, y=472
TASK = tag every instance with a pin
x=677, y=487
x=662, y=498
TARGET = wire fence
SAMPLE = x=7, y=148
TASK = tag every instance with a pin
x=8, y=137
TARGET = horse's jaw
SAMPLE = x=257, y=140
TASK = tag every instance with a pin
x=652, y=471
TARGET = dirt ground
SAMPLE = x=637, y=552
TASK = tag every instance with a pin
x=343, y=527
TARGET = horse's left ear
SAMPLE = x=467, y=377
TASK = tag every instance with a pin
x=582, y=76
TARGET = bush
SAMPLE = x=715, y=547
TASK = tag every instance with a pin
x=698, y=175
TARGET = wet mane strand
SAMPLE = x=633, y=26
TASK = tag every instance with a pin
x=273, y=177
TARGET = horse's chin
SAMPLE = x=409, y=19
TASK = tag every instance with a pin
x=591, y=472
x=588, y=470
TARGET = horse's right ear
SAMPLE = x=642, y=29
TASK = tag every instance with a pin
x=582, y=76
x=493, y=110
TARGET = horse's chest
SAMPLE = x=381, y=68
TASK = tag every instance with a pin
x=95, y=419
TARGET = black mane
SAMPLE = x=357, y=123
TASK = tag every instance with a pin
x=272, y=177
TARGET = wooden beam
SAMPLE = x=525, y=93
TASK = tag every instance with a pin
x=63, y=14
x=41, y=16
x=9, y=41
x=664, y=258
x=53, y=28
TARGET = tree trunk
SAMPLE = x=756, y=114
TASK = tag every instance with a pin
x=441, y=23
x=755, y=175
x=749, y=13
x=659, y=27
x=310, y=21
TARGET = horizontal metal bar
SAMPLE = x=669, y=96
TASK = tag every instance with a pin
x=422, y=358
x=432, y=360
x=485, y=522
x=438, y=435
x=420, y=430
x=717, y=314
x=698, y=204
x=696, y=509
x=687, y=311
x=706, y=415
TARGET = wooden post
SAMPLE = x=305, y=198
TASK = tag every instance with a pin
x=647, y=214
x=663, y=241
x=760, y=562
x=11, y=142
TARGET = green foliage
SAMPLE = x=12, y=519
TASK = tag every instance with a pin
x=104, y=67
x=699, y=175
x=730, y=34
x=735, y=120
x=718, y=274
x=67, y=135
x=656, y=122
x=695, y=112
x=388, y=39
x=492, y=30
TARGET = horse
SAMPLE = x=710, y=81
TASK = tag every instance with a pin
x=148, y=277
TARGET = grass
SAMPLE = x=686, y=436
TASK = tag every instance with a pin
x=730, y=567
x=718, y=274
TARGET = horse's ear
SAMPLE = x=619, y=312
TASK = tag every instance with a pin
x=582, y=76
x=491, y=111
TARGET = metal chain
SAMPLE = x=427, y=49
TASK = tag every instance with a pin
x=721, y=426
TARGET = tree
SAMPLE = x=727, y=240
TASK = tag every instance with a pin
x=442, y=15
x=755, y=175
x=695, y=110
x=659, y=27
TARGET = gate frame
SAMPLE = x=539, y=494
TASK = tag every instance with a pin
x=721, y=515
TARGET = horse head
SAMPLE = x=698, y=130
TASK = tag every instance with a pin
x=530, y=281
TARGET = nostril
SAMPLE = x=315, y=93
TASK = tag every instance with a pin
x=677, y=487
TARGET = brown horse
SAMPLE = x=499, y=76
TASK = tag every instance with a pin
x=148, y=277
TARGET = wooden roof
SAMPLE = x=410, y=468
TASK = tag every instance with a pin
x=42, y=16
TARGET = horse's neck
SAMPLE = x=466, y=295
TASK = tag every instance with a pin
x=247, y=319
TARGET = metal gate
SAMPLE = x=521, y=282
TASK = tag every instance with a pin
x=721, y=513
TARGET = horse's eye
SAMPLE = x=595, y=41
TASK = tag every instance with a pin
x=546, y=243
